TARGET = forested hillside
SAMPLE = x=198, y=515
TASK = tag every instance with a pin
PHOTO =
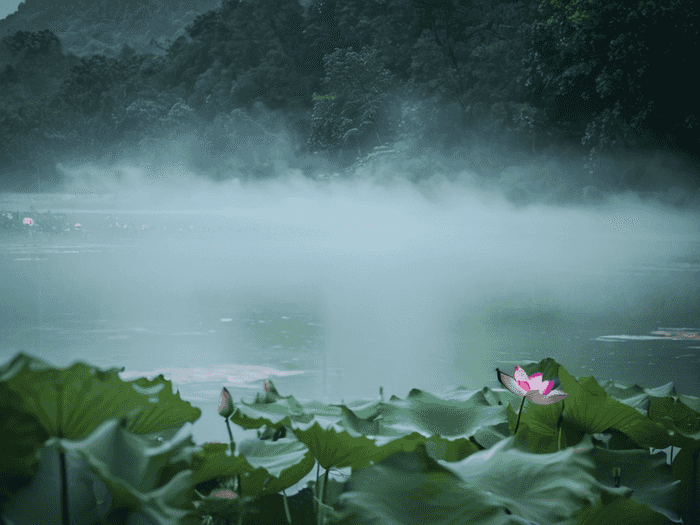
x=334, y=83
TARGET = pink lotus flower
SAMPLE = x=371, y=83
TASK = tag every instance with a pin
x=533, y=388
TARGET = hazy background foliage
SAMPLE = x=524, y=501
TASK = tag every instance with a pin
x=597, y=94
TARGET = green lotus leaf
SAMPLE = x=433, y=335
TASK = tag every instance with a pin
x=71, y=403
x=449, y=448
x=334, y=446
x=686, y=467
x=128, y=456
x=588, y=412
x=165, y=410
x=498, y=486
x=88, y=498
x=275, y=414
x=539, y=427
x=214, y=460
x=22, y=438
x=284, y=463
x=484, y=397
x=620, y=509
x=459, y=424
x=431, y=415
x=131, y=470
x=690, y=401
x=648, y=475
x=677, y=416
x=21, y=361
x=545, y=488
x=636, y=396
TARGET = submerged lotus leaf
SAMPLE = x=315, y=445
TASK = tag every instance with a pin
x=278, y=465
x=131, y=470
x=72, y=402
x=334, y=446
x=22, y=437
x=648, y=475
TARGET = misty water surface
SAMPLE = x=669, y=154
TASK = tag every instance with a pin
x=336, y=288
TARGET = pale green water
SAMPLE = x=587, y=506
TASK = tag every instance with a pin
x=433, y=297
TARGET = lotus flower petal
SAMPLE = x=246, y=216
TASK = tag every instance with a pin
x=536, y=383
x=511, y=384
x=520, y=374
x=550, y=399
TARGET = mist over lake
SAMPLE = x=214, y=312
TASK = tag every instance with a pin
x=336, y=287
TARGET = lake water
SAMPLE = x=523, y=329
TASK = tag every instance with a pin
x=403, y=297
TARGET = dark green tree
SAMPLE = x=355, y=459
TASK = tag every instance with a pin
x=357, y=108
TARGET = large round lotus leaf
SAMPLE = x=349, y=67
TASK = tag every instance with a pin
x=22, y=437
x=274, y=414
x=131, y=470
x=215, y=460
x=334, y=446
x=396, y=419
x=431, y=415
x=89, y=500
x=619, y=509
x=410, y=488
x=677, y=416
x=71, y=403
x=590, y=412
x=279, y=465
x=648, y=475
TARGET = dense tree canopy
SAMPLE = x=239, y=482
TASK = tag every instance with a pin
x=607, y=75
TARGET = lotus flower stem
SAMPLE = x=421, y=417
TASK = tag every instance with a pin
x=561, y=418
x=520, y=413
x=65, y=511
x=616, y=476
x=286, y=507
x=671, y=454
x=318, y=475
x=322, y=495
x=230, y=435
x=325, y=486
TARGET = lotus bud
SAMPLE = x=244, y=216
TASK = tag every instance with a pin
x=225, y=403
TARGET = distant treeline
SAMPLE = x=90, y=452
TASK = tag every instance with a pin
x=346, y=76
